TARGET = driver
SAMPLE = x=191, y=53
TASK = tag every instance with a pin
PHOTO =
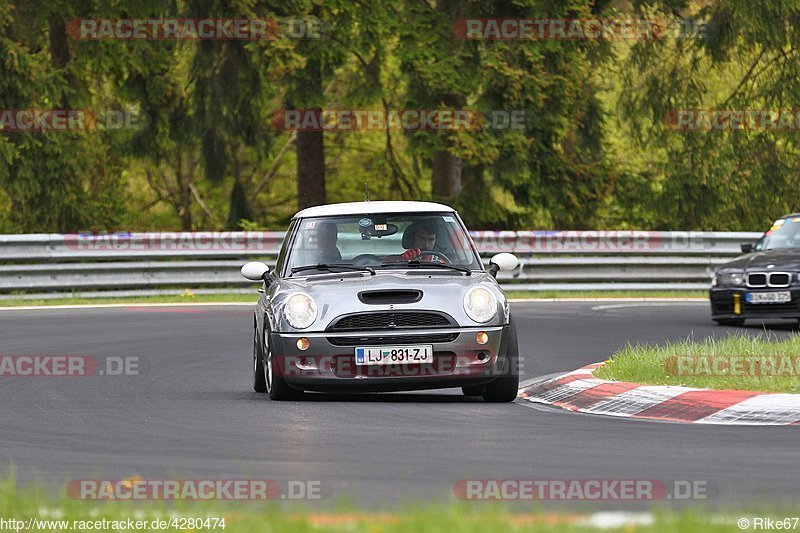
x=418, y=237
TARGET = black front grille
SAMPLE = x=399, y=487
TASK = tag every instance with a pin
x=391, y=320
x=769, y=279
x=779, y=279
x=392, y=339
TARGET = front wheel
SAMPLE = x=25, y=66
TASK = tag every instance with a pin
x=506, y=387
x=277, y=387
x=259, y=381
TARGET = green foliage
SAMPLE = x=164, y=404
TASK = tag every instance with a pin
x=594, y=150
x=747, y=59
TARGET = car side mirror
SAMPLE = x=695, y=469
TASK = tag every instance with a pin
x=502, y=261
x=747, y=248
x=256, y=271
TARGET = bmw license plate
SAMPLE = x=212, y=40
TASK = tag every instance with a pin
x=768, y=297
x=395, y=354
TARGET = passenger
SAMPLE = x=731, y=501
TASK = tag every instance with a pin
x=327, y=236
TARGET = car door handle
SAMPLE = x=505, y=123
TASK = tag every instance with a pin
x=262, y=291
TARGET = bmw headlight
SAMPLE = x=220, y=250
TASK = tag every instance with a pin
x=480, y=304
x=728, y=279
x=300, y=310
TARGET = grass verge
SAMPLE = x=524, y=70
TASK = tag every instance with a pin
x=182, y=298
x=40, y=512
x=188, y=297
x=605, y=294
x=760, y=363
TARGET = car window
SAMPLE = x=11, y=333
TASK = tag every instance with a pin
x=784, y=234
x=370, y=240
x=284, y=248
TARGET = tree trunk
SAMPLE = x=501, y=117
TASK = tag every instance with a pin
x=310, y=169
x=239, y=208
x=239, y=204
x=446, y=176
x=310, y=145
x=184, y=192
x=59, y=53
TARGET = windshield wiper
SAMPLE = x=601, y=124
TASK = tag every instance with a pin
x=418, y=264
x=332, y=266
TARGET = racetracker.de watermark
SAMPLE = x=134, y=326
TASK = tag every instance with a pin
x=733, y=120
x=399, y=119
x=476, y=361
x=207, y=29
x=582, y=489
x=733, y=365
x=197, y=489
x=28, y=366
x=565, y=29
x=591, y=241
x=172, y=241
x=40, y=120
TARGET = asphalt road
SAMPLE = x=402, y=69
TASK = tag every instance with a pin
x=191, y=413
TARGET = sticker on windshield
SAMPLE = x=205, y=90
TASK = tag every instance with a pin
x=796, y=220
x=365, y=222
x=448, y=219
x=310, y=224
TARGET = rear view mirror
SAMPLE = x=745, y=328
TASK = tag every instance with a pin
x=255, y=271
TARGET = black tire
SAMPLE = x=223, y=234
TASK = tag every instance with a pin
x=473, y=390
x=729, y=321
x=277, y=388
x=259, y=381
x=506, y=387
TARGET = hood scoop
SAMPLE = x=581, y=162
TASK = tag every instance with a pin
x=397, y=296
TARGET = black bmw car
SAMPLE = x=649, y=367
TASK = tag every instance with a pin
x=763, y=283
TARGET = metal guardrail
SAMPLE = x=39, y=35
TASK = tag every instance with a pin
x=165, y=263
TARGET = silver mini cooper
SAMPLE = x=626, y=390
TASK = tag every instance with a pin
x=382, y=296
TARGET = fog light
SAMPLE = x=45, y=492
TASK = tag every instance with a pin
x=302, y=344
x=305, y=363
x=482, y=337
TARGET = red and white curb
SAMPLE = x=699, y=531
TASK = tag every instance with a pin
x=580, y=391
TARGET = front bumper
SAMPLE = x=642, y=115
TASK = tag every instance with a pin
x=329, y=362
x=723, y=304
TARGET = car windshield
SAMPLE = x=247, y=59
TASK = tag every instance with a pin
x=784, y=234
x=381, y=241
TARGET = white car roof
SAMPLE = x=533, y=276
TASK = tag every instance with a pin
x=365, y=208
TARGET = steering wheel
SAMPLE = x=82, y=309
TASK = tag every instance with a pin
x=366, y=260
x=431, y=256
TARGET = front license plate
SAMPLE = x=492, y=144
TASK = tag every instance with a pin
x=768, y=297
x=397, y=354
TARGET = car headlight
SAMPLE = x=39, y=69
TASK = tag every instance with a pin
x=480, y=304
x=728, y=279
x=300, y=310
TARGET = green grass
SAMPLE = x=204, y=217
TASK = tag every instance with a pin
x=606, y=294
x=260, y=517
x=166, y=299
x=213, y=298
x=761, y=363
